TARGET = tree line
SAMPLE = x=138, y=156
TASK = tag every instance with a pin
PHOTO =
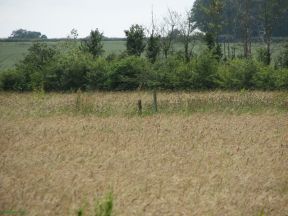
x=149, y=61
x=242, y=19
x=234, y=15
x=23, y=34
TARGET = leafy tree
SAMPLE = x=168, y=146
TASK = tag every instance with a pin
x=38, y=55
x=238, y=74
x=93, y=44
x=44, y=37
x=69, y=72
x=135, y=40
x=153, y=43
x=213, y=11
x=24, y=34
x=153, y=47
x=187, y=27
x=206, y=70
x=233, y=17
x=128, y=73
x=271, y=12
x=264, y=56
x=73, y=34
x=208, y=16
x=165, y=73
x=97, y=74
x=12, y=79
x=33, y=66
x=210, y=41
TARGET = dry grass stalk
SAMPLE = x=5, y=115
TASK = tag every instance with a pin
x=205, y=163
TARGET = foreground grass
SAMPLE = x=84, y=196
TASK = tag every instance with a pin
x=101, y=104
x=55, y=157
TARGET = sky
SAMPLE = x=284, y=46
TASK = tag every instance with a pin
x=56, y=18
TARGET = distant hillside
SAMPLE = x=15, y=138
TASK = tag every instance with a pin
x=12, y=52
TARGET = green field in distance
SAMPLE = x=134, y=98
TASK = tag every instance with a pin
x=12, y=52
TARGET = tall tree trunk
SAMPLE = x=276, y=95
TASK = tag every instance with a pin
x=186, y=51
x=268, y=34
x=247, y=37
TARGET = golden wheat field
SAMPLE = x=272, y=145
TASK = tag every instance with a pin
x=209, y=153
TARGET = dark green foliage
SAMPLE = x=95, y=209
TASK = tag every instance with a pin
x=186, y=76
x=153, y=47
x=265, y=77
x=12, y=80
x=44, y=37
x=135, y=40
x=231, y=22
x=44, y=68
x=206, y=70
x=93, y=44
x=33, y=66
x=165, y=73
x=175, y=73
x=264, y=56
x=24, y=34
x=237, y=74
x=210, y=41
x=80, y=212
x=97, y=75
x=217, y=52
x=213, y=46
x=111, y=57
x=77, y=70
x=281, y=79
x=282, y=60
x=68, y=72
x=128, y=74
x=38, y=55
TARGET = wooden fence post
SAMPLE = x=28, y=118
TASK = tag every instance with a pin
x=139, y=107
x=155, y=106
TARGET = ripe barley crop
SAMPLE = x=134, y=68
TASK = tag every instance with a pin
x=211, y=153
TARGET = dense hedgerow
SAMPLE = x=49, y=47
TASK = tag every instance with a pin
x=128, y=73
x=12, y=79
x=51, y=69
x=237, y=74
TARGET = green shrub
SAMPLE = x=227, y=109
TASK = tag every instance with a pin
x=265, y=78
x=56, y=70
x=281, y=78
x=175, y=73
x=128, y=74
x=111, y=57
x=237, y=74
x=282, y=59
x=34, y=65
x=97, y=75
x=93, y=44
x=263, y=56
x=206, y=68
x=74, y=70
x=12, y=79
x=165, y=73
x=186, y=76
